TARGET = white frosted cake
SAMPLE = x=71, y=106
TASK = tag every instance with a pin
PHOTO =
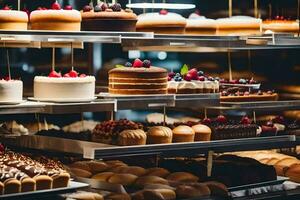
x=200, y=25
x=64, y=88
x=11, y=90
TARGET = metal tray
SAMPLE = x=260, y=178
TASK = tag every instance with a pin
x=73, y=186
x=279, y=181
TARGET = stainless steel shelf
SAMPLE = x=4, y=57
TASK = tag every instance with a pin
x=58, y=108
x=197, y=100
x=258, y=106
x=188, y=149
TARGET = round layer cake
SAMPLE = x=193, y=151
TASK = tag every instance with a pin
x=200, y=25
x=138, y=80
x=238, y=25
x=11, y=90
x=59, y=20
x=162, y=22
x=13, y=20
x=64, y=88
x=103, y=18
x=277, y=25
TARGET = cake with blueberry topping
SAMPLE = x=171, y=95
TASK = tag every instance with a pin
x=137, y=78
x=163, y=22
x=13, y=19
x=105, y=17
x=70, y=87
x=55, y=18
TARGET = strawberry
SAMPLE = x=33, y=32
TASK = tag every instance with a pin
x=201, y=78
x=163, y=12
x=68, y=7
x=73, y=74
x=56, y=6
x=194, y=73
x=137, y=63
x=54, y=74
x=82, y=75
x=67, y=75
x=188, y=77
x=6, y=8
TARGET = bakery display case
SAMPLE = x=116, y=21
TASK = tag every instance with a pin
x=162, y=157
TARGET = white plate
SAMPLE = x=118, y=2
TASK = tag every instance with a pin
x=11, y=102
x=62, y=100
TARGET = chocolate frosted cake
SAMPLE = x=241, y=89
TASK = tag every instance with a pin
x=138, y=78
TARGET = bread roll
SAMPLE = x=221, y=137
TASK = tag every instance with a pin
x=157, y=171
x=117, y=169
x=145, y=180
x=97, y=166
x=167, y=193
x=132, y=137
x=114, y=163
x=61, y=180
x=104, y=176
x=12, y=186
x=81, y=165
x=86, y=196
x=80, y=173
x=272, y=161
x=43, y=182
x=217, y=189
x=158, y=186
x=202, y=132
x=185, y=191
x=28, y=184
x=159, y=135
x=118, y=197
x=293, y=173
x=123, y=179
x=135, y=170
x=182, y=177
x=287, y=162
x=183, y=134
x=147, y=195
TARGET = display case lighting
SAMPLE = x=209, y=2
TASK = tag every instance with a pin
x=175, y=6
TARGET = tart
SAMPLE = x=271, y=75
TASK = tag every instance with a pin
x=103, y=17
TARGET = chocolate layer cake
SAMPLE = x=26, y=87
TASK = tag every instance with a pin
x=134, y=81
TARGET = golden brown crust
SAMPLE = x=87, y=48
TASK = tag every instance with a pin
x=185, y=191
x=183, y=134
x=104, y=176
x=159, y=135
x=202, y=132
x=146, y=180
x=97, y=166
x=132, y=137
x=157, y=171
x=135, y=170
x=61, y=180
x=123, y=179
x=81, y=173
x=182, y=177
x=108, y=15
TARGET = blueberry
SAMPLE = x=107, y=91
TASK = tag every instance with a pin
x=97, y=8
x=242, y=81
x=128, y=64
x=200, y=73
x=179, y=78
x=178, y=75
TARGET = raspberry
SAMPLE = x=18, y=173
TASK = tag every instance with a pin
x=104, y=6
x=147, y=63
x=68, y=7
x=137, y=63
x=6, y=8
x=163, y=12
x=73, y=74
x=82, y=75
x=55, y=6
x=87, y=8
x=54, y=74
x=116, y=7
x=67, y=75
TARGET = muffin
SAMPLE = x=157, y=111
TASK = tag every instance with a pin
x=159, y=135
x=183, y=134
x=202, y=132
x=132, y=137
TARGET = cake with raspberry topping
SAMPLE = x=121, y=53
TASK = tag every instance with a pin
x=138, y=78
x=280, y=24
x=11, y=90
x=163, y=22
x=55, y=19
x=70, y=87
x=13, y=19
x=104, y=17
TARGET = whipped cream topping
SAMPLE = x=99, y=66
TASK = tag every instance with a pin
x=64, y=79
x=150, y=17
x=239, y=19
x=201, y=21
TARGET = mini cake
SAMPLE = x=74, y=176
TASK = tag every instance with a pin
x=159, y=135
x=105, y=18
x=56, y=19
x=183, y=134
x=279, y=24
x=202, y=132
x=200, y=25
x=238, y=25
x=70, y=87
x=138, y=78
x=12, y=19
x=191, y=82
x=162, y=22
x=11, y=90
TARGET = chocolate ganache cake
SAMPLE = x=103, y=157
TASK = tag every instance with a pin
x=138, y=78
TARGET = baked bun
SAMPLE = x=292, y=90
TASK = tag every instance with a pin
x=97, y=166
x=183, y=134
x=13, y=20
x=272, y=161
x=61, y=180
x=104, y=176
x=145, y=180
x=43, y=182
x=158, y=186
x=217, y=189
x=132, y=137
x=202, y=132
x=167, y=193
x=118, y=197
x=185, y=191
x=60, y=20
x=85, y=196
x=114, y=163
x=293, y=173
x=157, y=171
x=80, y=165
x=182, y=177
x=28, y=184
x=135, y=170
x=159, y=135
x=123, y=179
x=80, y=173
x=147, y=195
x=12, y=186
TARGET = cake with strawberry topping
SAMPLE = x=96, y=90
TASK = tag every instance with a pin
x=13, y=19
x=11, y=90
x=70, y=87
x=137, y=78
x=56, y=19
x=281, y=24
x=191, y=82
x=163, y=22
x=105, y=17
